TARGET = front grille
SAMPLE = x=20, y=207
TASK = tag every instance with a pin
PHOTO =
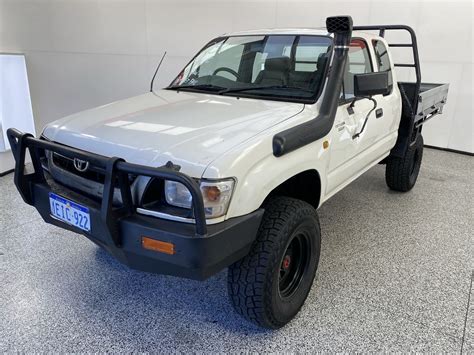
x=65, y=163
x=92, y=173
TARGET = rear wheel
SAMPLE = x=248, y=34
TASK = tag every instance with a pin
x=401, y=173
x=270, y=284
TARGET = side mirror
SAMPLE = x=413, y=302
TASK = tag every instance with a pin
x=371, y=84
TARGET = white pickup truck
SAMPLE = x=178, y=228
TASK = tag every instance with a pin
x=227, y=166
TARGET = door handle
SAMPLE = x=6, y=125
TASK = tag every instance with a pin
x=379, y=113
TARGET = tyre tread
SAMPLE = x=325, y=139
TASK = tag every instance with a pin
x=397, y=171
x=247, y=277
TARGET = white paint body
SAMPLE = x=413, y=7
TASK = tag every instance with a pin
x=213, y=137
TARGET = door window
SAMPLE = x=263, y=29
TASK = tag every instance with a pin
x=358, y=62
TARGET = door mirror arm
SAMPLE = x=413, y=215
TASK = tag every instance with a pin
x=367, y=85
x=350, y=108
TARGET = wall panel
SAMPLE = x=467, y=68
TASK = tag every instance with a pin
x=84, y=53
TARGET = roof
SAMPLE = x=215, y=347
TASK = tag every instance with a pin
x=282, y=31
x=321, y=31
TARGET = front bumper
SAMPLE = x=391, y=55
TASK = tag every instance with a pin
x=200, y=250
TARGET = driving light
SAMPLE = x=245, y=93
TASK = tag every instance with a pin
x=216, y=196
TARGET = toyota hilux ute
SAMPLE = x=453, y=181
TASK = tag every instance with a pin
x=227, y=166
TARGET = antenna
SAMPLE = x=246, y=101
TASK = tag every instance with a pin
x=156, y=71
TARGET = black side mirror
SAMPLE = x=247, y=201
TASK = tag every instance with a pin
x=371, y=84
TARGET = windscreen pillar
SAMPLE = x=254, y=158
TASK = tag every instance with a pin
x=308, y=132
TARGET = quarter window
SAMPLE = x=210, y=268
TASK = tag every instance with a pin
x=383, y=61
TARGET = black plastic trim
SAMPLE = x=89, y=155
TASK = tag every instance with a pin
x=370, y=84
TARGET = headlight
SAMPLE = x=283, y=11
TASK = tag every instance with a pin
x=216, y=196
x=177, y=194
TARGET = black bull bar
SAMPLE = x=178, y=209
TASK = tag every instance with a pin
x=115, y=170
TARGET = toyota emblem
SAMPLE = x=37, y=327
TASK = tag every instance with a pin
x=81, y=165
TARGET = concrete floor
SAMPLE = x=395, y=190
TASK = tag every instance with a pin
x=395, y=274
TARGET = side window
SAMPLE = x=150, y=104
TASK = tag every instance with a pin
x=382, y=59
x=358, y=63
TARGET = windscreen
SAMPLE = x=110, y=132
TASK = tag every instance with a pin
x=287, y=67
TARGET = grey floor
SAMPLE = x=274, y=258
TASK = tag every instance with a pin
x=395, y=274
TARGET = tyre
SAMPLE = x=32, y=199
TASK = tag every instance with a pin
x=270, y=285
x=401, y=173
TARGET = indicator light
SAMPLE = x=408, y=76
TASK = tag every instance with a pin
x=158, y=245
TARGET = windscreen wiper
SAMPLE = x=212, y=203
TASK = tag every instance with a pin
x=247, y=88
x=199, y=87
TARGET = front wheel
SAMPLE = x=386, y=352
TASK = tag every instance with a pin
x=270, y=284
x=401, y=173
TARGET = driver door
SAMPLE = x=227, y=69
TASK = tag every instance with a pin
x=350, y=156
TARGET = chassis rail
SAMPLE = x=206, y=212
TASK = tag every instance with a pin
x=115, y=170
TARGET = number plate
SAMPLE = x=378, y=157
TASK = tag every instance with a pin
x=69, y=212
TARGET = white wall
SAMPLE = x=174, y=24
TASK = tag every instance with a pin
x=86, y=53
x=15, y=103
